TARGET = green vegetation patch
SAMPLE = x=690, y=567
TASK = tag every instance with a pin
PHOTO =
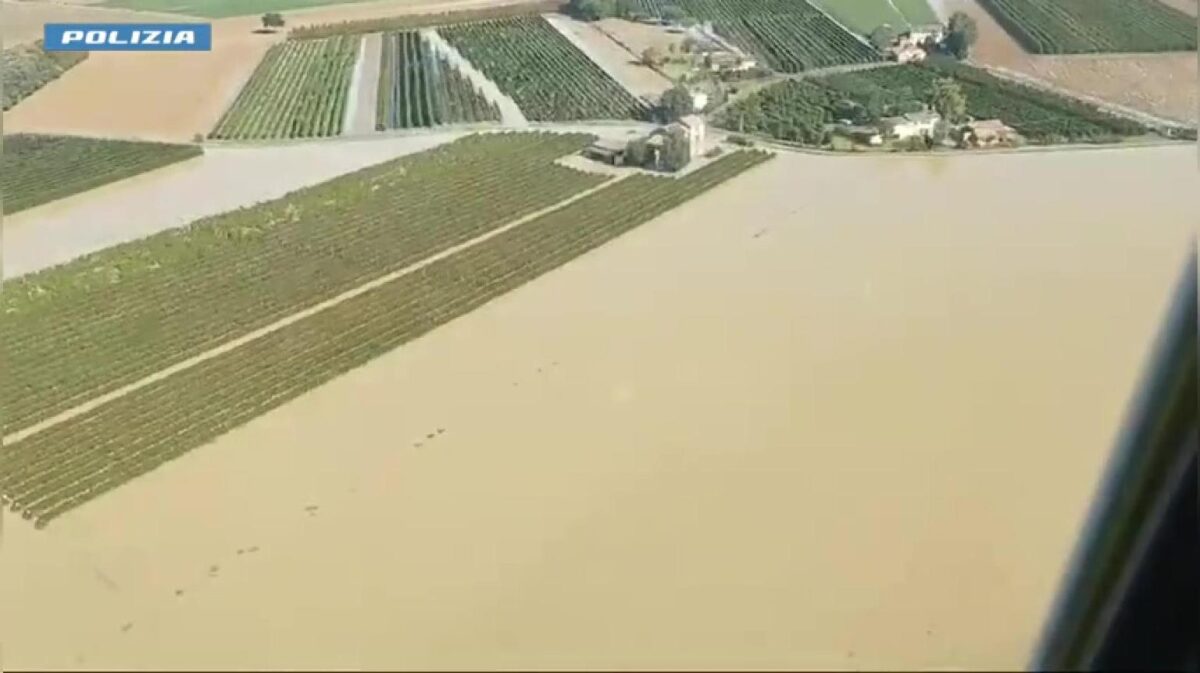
x=90, y=326
x=547, y=77
x=418, y=87
x=299, y=90
x=37, y=169
x=26, y=68
x=786, y=35
x=67, y=465
x=1085, y=26
x=802, y=111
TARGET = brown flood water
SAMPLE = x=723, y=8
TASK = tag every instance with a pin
x=841, y=412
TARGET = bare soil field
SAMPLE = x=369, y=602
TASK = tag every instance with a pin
x=23, y=21
x=638, y=37
x=223, y=179
x=761, y=431
x=174, y=96
x=1161, y=84
x=621, y=64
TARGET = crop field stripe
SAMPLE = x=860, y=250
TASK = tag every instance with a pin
x=1094, y=26
x=298, y=90
x=106, y=398
x=63, y=467
x=71, y=334
x=38, y=169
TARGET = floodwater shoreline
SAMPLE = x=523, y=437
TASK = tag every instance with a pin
x=790, y=408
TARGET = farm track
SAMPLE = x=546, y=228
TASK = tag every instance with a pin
x=49, y=473
x=74, y=334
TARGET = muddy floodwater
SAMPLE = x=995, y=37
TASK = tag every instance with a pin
x=841, y=413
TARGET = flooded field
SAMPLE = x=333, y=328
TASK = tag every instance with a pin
x=841, y=412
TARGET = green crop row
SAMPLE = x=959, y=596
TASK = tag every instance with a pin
x=417, y=88
x=547, y=77
x=1085, y=26
x=299, y=90
x=76, y=331
x=63, y=467
x=37, y=169
x=26, y=68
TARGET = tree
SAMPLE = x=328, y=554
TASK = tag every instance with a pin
x=637, y=153
x=948, y=99
x=688, y=45
x=672, y=49
x=651, y=57
x=624, y=9
x=673, y=13
x=883, y=37
x=677, y=149
x=272, y=20
x=961, y=35
x=676, y=102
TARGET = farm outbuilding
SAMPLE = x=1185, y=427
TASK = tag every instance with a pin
x=607, y=150
x=988, y=133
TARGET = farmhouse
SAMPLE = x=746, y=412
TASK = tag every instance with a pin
x=911, y=125
x=607, y=150
x=988, y=133
x=694, y=127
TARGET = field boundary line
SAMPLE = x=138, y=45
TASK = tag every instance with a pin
x=261, y=332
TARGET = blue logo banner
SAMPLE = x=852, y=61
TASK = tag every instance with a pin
x=128, y=37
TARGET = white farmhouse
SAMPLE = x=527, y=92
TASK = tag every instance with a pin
x=695, y=128
x=910, y=125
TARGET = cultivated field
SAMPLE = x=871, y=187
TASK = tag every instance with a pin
x=618, y=59
x=299, y=90
x=1086, y=26
x=418, y=87
x=69, y=463
x=865, y=16
x=225, y=178
x=1163, y=84
x=177, y=96
x=772, y=392
x=226, y=275
x=787, y=35
x=39, y=169
x=549, y=78
x=797, y=111
x=26, y=68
